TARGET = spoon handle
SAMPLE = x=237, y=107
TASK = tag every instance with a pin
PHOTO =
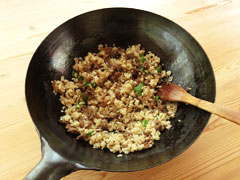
x=217, y=109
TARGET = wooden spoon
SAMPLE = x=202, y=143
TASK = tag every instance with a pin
x=173, y=92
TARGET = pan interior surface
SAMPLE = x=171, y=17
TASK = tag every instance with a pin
x=177, y=49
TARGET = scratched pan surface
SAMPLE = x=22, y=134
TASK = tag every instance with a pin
x=178, y=50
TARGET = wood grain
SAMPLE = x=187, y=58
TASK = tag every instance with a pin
x=214, y=23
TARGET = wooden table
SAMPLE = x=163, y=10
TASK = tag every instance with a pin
x=214, y=23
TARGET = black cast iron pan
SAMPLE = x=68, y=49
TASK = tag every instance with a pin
x=179, y=51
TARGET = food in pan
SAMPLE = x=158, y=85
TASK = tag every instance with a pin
x=111, y=100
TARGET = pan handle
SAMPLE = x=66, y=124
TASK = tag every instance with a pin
x=52, y=166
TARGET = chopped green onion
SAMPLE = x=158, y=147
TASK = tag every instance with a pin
x=80, y=78
x=74, y=73
x=93, y=84
x=90, y=133
x=143, y=70
x=143, y=59
x=159, y=69
x=156, y=98
x=144, y=122
x=138, y=88
x=86, y=84
x=84, y=97
x=81, y=103
x=77, y=106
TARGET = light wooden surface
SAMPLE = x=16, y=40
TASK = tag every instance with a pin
x=214, y=23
